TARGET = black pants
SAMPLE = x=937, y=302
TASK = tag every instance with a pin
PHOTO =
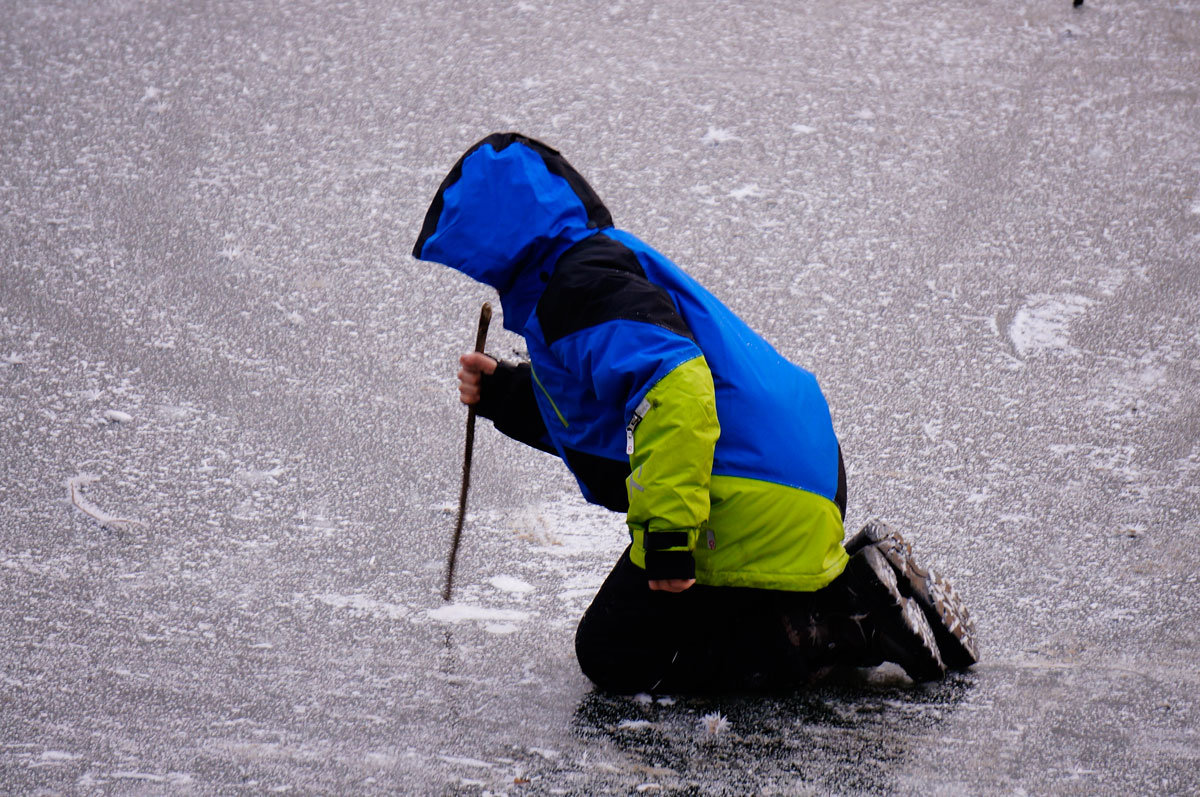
x=634, y=639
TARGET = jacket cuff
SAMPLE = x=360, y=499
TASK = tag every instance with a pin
x=494, y=386
x=670, y=564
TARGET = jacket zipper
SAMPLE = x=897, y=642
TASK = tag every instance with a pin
x=638, y=415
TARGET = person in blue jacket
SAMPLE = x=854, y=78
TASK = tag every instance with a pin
x=667, y=407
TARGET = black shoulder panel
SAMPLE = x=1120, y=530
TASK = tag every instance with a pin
x=598, y=280
x=556, y=164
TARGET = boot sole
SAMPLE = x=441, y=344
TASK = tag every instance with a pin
x=905, y=637
x=944, y=608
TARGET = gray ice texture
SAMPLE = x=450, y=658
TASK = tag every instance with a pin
x=232, y=443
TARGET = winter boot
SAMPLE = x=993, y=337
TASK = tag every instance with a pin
x=947, y=614
x=880, y=623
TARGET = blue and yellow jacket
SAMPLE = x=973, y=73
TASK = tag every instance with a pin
x=663, y=403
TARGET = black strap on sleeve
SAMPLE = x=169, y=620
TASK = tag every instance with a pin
x=661, y=540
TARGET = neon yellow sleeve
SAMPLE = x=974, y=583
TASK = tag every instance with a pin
x=670, y=442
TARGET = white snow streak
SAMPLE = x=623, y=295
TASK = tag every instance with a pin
x=457, y=613
x=716, y=135
x=361, y=603
x=510, y=584
x=1042, y=323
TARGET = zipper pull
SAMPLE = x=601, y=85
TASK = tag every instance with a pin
x=638, y=415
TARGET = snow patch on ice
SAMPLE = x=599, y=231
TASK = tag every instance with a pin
x=172, y=412
x=461, y=612
x=1133, y=391
x=361, y=603
x=586, y=581
x=1042, y=324
x=510, y=584
x=463, y=761
x=258, y=478
x=569, y=527
x=173, y=778
x=58, y=755
x=716, y=135
x=977, y=496
x=803, y=130
x=291, y=317
x=746, y=192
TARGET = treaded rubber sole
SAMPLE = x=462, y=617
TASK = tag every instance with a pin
x=903, y=633
x=943, y=607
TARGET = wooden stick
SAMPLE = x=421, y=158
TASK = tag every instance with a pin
x=485, y=318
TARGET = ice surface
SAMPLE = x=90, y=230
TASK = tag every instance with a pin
x=979, y=230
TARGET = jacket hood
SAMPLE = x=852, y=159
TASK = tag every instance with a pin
x=509, y=205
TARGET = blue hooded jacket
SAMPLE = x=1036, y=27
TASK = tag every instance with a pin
x=662, y=402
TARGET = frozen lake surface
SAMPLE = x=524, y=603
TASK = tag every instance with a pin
x=232, y=439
